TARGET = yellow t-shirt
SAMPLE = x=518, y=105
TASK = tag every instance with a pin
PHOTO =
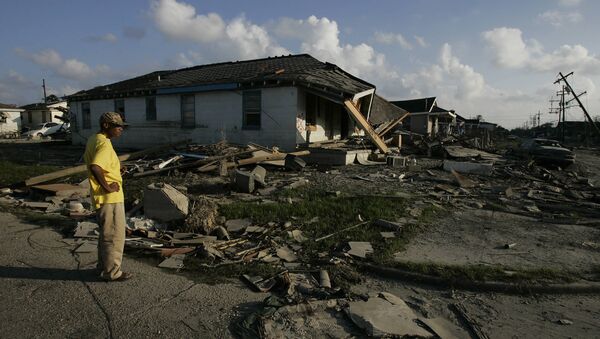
x=99, y=151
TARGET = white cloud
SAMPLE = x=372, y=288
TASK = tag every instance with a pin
x=320, y=38
x=17, y=89
x=421, y=41
x=511, y=51
x=391, y=38
x=179, y=21
x=108, y=37
x=72, y=69
x=449, y=78
x=185, y=59
x=558, y=18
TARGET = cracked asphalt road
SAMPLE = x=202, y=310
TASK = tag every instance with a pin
x=48, y=291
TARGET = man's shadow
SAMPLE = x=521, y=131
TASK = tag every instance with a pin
x=39, y=273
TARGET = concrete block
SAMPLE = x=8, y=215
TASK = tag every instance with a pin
x=244, y=181
x=259, y=173
x=164, y=203
x=294, y=163
x=396, y=161
x=468, y=167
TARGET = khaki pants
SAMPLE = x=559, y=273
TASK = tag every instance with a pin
x=111, y=218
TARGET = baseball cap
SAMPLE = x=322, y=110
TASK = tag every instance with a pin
x=112, y=118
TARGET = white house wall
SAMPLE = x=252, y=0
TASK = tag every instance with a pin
x=218, y=116
x=12, y=123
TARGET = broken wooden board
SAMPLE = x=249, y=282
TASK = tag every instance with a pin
x=62, y=190
x=366, y=126
x=82, y=168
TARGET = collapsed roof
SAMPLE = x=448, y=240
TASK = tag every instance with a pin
x=324, y=79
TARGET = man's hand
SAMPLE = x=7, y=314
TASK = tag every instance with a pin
x=112, y=187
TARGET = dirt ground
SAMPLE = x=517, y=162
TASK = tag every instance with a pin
x=475, y=225
x=479, y=236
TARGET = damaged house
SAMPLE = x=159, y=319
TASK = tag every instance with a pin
x=281, y=101
x=10, y=120
x=427, y=118
x=39, y=113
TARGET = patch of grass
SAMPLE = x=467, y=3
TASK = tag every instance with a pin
x=12, y=173
x=487, y=273
x=335, y=214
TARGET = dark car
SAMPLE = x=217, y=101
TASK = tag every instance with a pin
x=546, y=151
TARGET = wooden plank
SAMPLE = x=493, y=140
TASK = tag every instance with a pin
x=364, y=124
x=82, y=168
x=392, y=124
x=253, y=160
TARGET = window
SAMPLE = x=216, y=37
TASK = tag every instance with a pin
x=188, y=111
x=29, y=117
x=44, y=117
x=86, y=119
x=151, y=108
x=120, y=107
x=251, y=106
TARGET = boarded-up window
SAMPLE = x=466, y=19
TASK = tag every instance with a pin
x=251, y=105
x=120, y=107
x=86, y=119
x=188, y=111
x=151, y=108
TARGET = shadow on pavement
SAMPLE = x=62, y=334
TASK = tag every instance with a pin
x=38, y=273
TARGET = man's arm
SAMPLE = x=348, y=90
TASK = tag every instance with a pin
x=98, y=174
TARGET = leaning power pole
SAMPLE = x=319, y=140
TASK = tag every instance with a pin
x=563, y=78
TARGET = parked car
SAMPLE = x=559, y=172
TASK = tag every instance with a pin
x=546, y=151
x=46, y=129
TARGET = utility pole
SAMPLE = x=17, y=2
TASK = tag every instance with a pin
x=563, y=78
x=44, y=87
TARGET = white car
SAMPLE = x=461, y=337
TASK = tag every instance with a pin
x=45, y=129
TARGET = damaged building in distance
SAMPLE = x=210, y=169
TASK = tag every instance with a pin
x=280, y=101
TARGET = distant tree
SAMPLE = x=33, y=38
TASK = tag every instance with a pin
x=52, y=98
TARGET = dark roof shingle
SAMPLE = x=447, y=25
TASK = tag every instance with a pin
x=301, y=69
x=416, y=105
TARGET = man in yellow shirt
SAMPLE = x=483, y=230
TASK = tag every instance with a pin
x=106, y=186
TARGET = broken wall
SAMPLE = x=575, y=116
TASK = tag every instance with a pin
x=10, y=122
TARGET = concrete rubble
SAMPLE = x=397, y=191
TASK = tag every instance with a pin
x=165, y=203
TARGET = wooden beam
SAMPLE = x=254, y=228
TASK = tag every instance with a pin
x=360, y=119
x=253, y=160
x=82, y=168
x=391, y=125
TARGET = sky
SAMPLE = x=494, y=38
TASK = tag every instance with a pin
x=497, y=59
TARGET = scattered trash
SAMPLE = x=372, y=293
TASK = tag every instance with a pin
x=175, y=261
x=359, y=248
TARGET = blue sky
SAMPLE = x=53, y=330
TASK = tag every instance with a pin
x=494, y=58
